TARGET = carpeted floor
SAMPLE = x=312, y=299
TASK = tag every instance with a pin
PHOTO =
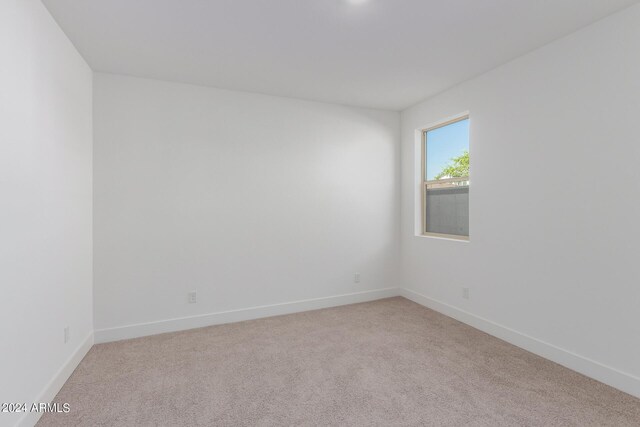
x=389, y=362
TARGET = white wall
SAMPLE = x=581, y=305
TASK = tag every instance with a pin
x=251, y=200
x=555, y=203
x=46, y=205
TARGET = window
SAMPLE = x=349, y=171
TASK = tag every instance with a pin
x=445, y=179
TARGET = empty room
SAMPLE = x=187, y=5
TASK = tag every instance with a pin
x=320, y=213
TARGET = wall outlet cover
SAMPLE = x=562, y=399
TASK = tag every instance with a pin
x=193, y=297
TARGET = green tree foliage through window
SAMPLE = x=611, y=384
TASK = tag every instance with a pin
x=458, y=167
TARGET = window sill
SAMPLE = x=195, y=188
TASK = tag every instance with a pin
x=451, y=237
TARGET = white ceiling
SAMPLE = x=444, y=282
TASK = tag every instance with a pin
x=375, y=53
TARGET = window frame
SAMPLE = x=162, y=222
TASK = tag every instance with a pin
x=424, y=182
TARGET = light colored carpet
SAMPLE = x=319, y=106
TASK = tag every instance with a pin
x=389, y=362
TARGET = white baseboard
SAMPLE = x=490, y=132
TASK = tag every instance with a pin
x=199, y=321
x=49, y=393
x=596, y=370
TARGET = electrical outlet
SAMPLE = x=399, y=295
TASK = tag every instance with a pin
x=356, y=278
x=465, y=293
x=67, y=337
x=193, y=297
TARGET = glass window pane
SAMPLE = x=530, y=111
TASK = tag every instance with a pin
x=447, y=153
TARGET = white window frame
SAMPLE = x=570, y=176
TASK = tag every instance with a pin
x=422, y=183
